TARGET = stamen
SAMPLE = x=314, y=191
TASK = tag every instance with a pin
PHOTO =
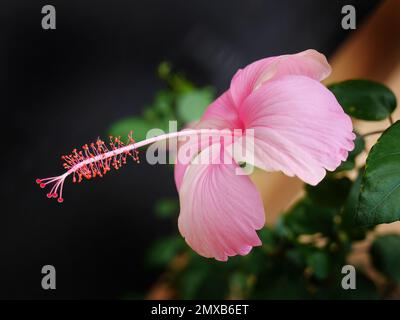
x=96, y=159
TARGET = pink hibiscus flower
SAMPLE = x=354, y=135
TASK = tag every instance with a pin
x=298, y=127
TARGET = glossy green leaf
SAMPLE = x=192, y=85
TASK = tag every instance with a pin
x=364, y=99
x=191, y=105
x=385, y=252
x=380, y=186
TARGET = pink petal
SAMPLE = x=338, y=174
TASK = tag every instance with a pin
x=220, y=210
x=309, y=63
x=180, y=164
x=221, y=114
x=299, y=128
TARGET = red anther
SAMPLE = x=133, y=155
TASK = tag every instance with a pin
x=42, y=185
x=38, y=181
x=54, y=195
x=49, y=195
x=60, y=200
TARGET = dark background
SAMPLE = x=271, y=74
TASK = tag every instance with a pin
x=64, y=87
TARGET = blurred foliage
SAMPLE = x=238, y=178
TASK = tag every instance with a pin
x=181, y=101
x=386, y=256
x=303, y=254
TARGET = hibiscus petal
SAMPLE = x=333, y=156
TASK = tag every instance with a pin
x=191, y=145
x=221, y=114
x=308, y=63
x=299, y=128
x=220, y=210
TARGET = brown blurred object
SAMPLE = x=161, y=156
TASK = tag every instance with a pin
x=371, y=52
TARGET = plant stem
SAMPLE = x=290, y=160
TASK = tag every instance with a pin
x=372, y=132
x=378, y=131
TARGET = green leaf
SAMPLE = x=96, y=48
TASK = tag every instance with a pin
x=330, y=192
x=139, y=127
x=319, y=263
x=239, y=285
x=166, y=207
x=308, y=218
x=364, y=99
x=380, y=185
x=150, y=114
x=204, y=279
x=298, y=254
x=191, y=105
x=349, y=164
x=350, y=209
x=163, y=103
x=164, y=70
x=385, y=252
x=282, y=281
x=348, y=215
x=191, y=282
x=180, y=84
x=164, y=250
x=269, y=239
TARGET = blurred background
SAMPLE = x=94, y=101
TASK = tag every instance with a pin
x=66, y=87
